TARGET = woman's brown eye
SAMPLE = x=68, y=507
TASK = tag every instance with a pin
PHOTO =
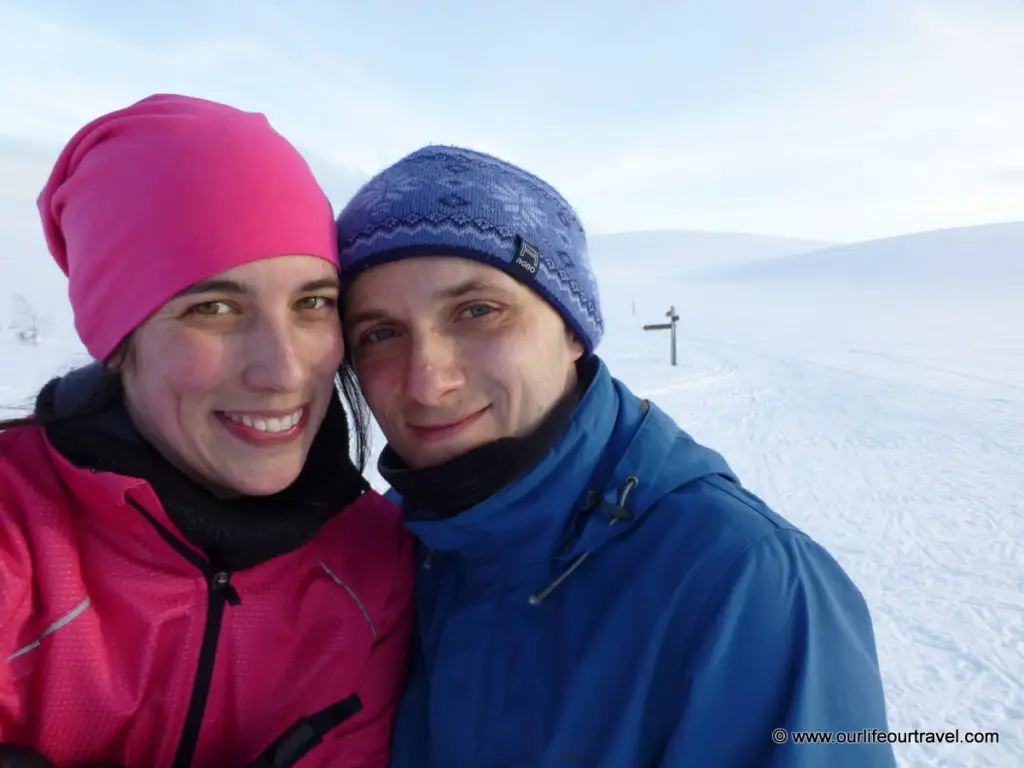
x=210, y=308
x=316, y=302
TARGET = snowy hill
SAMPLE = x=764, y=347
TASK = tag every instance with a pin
x=25, y=168
x=641, y=271
x=684, y=252
x=885, y=418
x=991, y=254
x=28, y=276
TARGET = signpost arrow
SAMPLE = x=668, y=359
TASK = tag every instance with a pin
x=669, y=326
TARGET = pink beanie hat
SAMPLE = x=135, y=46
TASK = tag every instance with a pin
x=145, y=201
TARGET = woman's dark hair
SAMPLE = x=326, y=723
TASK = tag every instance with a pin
x=358, y=414
x=25, y=421
x=105, y=396
x=346, y=383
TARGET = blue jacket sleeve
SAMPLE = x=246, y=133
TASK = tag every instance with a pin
x=788, y=648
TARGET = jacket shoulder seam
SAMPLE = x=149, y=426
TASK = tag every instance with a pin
x=755, y=505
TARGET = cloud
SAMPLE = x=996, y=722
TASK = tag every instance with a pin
x=1011, y=176
x=272, y=63
x=48, y=92
x=908, y=120
x=884, y=132
x=25, y=168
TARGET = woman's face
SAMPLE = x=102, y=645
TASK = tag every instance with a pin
x=230, y=380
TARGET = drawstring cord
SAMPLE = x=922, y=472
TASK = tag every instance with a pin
x=617, y=512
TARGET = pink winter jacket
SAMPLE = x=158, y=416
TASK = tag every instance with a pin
x=118, y=645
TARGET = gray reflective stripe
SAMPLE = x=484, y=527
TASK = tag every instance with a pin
x=343, y=585
x=63, y=621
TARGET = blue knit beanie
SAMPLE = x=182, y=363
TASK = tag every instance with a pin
x=449, y=201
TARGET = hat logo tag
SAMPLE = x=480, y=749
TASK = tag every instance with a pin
x=527, y=257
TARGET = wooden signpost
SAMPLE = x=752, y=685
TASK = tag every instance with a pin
x=669, y=326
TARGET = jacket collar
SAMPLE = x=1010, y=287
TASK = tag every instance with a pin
x=617, y=458
x=88, y=425
x=526, y=521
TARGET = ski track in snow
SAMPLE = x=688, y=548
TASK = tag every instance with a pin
x=915, y=490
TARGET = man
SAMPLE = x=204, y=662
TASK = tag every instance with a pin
x=596, y=589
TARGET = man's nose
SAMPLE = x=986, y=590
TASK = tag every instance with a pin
x=432, y=370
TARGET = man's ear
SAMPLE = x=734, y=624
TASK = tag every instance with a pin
x=574, y=342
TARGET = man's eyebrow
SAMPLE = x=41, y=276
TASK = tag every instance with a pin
x=451, y=292
x=366, y=316
x=461, y=289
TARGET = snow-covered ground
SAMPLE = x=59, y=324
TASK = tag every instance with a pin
x=895, y=436
x=888, y=422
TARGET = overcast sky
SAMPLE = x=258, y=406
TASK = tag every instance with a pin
x=830, y=119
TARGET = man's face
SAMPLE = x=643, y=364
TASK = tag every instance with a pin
x=452, y=354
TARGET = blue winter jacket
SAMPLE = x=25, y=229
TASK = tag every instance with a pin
x=677, y=622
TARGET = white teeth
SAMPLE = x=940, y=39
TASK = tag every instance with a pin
x=267, y=425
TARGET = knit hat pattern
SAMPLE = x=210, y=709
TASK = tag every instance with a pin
x=453, y=201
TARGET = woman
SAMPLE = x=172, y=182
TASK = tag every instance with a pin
x=186, y=576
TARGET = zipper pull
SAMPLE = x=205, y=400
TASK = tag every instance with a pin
x=300, y=739
x=221, y=582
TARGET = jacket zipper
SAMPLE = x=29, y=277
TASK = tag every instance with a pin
x=220, y=593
